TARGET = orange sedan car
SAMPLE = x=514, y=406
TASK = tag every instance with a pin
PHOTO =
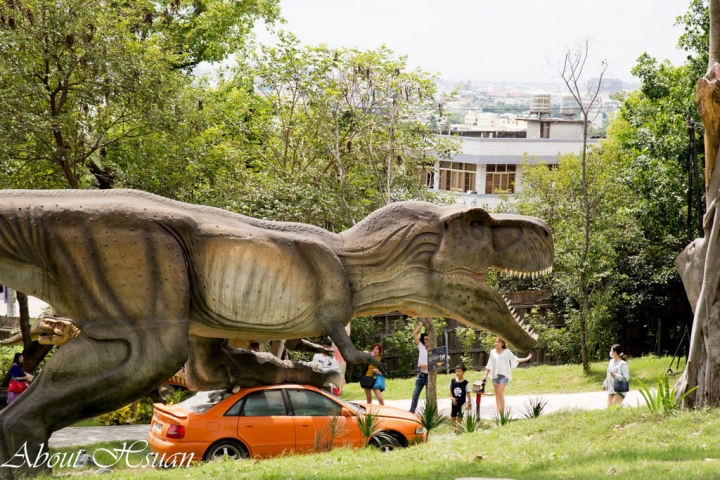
x=270, y=420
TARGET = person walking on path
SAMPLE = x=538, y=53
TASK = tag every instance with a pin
x=500, y=363
x=421, y=380
x=618, y=371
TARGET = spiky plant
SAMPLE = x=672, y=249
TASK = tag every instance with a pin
x=662, y=399
x=430, y=417
x=369, y=425
x=535, y=406
x=502, y=418
x=472, y=423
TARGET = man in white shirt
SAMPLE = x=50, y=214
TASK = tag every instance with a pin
x=422, y=343
x=324, y=360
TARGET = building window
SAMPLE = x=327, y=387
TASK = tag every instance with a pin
x=500, y=179
x=457, y=177
x=426, y=175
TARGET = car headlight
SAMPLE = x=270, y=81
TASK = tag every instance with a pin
x=420, y=431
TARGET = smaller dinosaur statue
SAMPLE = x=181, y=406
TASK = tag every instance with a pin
x=48, y=331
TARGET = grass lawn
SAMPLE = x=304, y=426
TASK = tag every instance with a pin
x=533, y=380
x=627, y=443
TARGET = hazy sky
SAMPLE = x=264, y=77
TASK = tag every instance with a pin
x=494, y=40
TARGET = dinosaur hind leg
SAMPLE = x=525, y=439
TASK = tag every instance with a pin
x=84, y=378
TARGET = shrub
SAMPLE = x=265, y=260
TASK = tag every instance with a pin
x=121, y=416
x=662, y=399
x=534, y=407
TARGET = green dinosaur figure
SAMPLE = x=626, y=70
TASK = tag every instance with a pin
x=153, y=284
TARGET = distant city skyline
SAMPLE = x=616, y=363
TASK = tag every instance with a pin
x=511, y=40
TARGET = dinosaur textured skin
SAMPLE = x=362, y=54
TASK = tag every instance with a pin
x=153, y=284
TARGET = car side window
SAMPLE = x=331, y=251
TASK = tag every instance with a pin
x=264, y=403
x=307, y=403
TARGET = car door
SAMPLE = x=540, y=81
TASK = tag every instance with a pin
x=264, y=424
x=314, y=416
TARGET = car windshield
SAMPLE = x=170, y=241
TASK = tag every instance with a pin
x=203, y=401
x=354, y=407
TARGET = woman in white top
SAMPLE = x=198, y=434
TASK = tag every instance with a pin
x=617, y=370
x=500, y=363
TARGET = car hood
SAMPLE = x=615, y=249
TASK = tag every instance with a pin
x=390, y=412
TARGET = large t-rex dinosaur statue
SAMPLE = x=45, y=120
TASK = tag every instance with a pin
x=152, y=284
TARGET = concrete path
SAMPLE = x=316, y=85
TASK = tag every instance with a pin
x=73, y=436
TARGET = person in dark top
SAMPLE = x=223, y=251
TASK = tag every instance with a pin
x=459, y=393
x=17, y=374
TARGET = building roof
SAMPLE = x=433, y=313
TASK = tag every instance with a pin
x=484, y=151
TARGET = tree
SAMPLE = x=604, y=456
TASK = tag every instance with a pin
x=79, y=77
x=571, y=73
x=333, y=136
x=698, y=263
x=591, y=217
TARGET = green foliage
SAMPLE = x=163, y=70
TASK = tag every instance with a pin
x=81, y=82
x=578, y=445
x=325, y=438
x=121, y=416
x=328, y=140
x=6, y=358
x=663, y=398
x=143, y=411
x=534, y=406
x=587, y=270
x=502, y=417
x=369, y=425
x=139, y=412
x=178, y=395
x=467, y=337
x=472, y=423
x=430, y=417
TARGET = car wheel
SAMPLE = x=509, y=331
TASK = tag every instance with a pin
x=385, y=442
x=226, y=449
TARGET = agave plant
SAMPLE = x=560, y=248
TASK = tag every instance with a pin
x=472, y=423
x=369, y=425
x=325, y=438
x=662, y=399
x=430, y=417
x=502, y=418
x=535, y=406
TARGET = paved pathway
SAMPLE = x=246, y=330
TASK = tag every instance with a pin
x=72, y=436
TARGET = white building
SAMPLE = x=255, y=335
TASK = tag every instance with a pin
x=489, y=167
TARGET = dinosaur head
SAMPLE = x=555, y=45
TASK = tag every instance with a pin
x=471, y=242
x=426, y=260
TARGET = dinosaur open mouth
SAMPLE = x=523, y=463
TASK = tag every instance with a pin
x=515, y=273
x=494, y=303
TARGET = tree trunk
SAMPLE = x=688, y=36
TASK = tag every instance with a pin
x=432, y=376
x=699, y=263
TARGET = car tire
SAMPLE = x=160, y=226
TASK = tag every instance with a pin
x=385, y=443
x=221, y=449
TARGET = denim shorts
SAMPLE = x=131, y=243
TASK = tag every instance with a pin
x=501, y=379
